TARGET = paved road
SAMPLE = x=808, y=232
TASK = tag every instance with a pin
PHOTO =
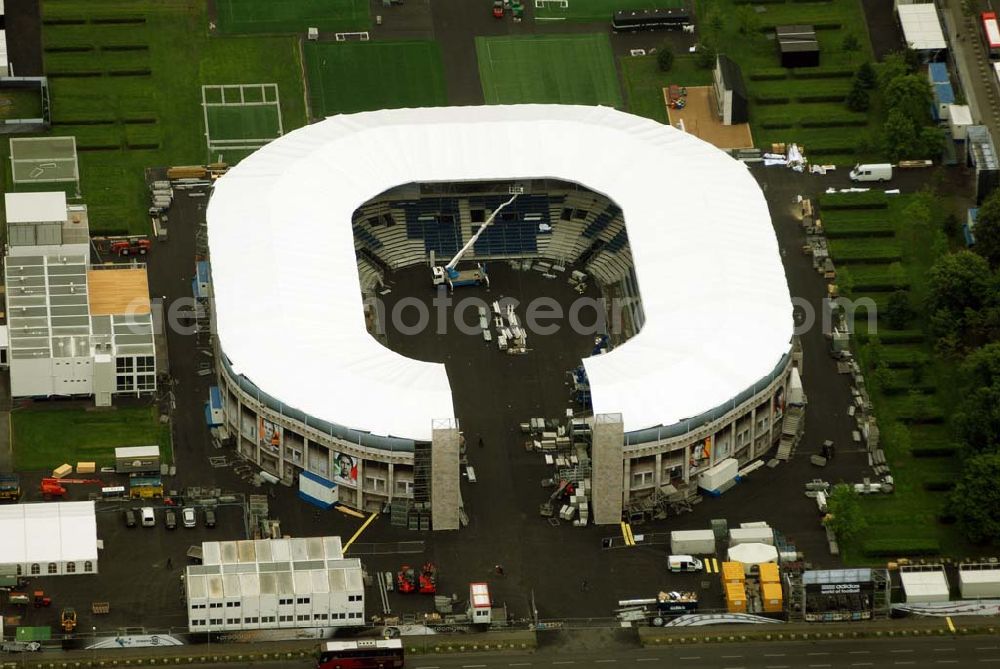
x=910, y=653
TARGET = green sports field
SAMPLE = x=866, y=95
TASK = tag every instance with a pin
x=563, y=69
x=597, y=10
x=348, y=77
x=232, y=124
x=291, y=16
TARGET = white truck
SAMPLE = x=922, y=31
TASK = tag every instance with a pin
x=871, y=172
x=679, y=563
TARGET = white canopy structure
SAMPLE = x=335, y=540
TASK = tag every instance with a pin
x=751, y=554
x=288, y=301
x=47, y=538
x=921, y=27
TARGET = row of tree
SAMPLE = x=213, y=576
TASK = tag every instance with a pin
x=965, y=316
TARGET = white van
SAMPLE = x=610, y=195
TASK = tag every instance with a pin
x=873, y=172
x=678, y=563
x=148, y=517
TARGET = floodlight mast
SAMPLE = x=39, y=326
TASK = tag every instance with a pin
x=448, y=274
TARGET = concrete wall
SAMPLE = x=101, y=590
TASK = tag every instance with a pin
x=444, y=475
x=606, y=468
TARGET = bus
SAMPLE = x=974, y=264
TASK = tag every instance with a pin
x=650, y=19
x=361, y=654
x=991, y=34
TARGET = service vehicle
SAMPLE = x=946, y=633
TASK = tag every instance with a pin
x=129, y=518
x=188, y=516
x=209, y=518
x=148, y=516
x=871, y=172
x=679, y=563
x=171, y=519
x=361, y=654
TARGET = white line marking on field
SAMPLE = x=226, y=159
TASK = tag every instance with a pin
x=901, y=650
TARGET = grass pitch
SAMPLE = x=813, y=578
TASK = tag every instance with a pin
x=121, y=84
x=45, y=439
x=232, y=124
x=597, y=10
x=563, y=69
x=291, y=16
x=348, y=77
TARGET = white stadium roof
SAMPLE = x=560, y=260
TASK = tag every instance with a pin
x=48, y=532
x=288, y=300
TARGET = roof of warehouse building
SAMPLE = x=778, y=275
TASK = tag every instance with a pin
x=46, y=207
x=717, y=306
x=797, y=38
x=921, y=27
x=48, y=532
x=924, y=583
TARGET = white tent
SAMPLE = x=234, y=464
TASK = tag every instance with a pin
x=752, y=554
x=287, y=294
x=49, y=538
x=921, y=27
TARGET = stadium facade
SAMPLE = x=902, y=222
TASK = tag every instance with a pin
x=700, y=375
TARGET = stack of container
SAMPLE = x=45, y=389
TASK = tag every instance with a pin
x=734, y=586
x=770, y=588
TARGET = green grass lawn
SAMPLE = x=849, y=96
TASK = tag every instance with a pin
x=800, y=98
x=598, y=10
x=259, y=122
x=292, y=16
x=20, y=103
x=43, y=439
x=125, y=123
x=560, y=69
x=913, y=405
x=644, y=82
x=348, y=77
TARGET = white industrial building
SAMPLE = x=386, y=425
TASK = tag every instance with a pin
x=72, y=328
x=924, y=583
x=273, y=583
x=680, y=396
x=48, y=539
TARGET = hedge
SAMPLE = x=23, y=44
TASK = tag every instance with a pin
x=768, y=75
x=933, y=451
x=819, y=73
x=777, y=125
x=939, y=486
x=771, y=100
x=873, y=199
x=835, y=121
x=900, y=547
x=821, y=97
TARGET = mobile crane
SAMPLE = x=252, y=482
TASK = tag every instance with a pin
x=447, y=274
x=53, y=487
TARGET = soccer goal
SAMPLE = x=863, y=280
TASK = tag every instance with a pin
x=44, y=160
x=558, y=4
x=352, y=37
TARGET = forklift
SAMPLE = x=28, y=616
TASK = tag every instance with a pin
x=67, y=618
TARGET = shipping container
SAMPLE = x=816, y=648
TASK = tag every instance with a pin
x=736, y=598
x=751, y=535
x=769, y=573
x=692, y=542
x=137, y=459
x=771, y=597
x=977, y=580
x=732, y=572
x=715, y=477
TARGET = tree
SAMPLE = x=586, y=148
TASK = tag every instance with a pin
x=892, y=66
x=844, y=514
x=851, y=43
x=976, y=498
x=959, y=285
x=858, y=98
x=898, y=311
x=987, y=230
x=665, y=57
x=950, y=225
x=866, y=75
x=705, y=55
x=899, y=136
x=910, y=94
x=982, y=367
x=977, y=420
x=897, y=275
x=747, y=20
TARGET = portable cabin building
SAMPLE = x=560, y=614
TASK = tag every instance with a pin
x=798, y=46
x=979, y=579
x=131, y=459
x=924, y=583
x=692, y=542
x=730, y=92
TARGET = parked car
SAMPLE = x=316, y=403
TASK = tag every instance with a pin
x=209, y=518
x=129, y=518
x=171, y=519
x=187, y=515
x=148, y=517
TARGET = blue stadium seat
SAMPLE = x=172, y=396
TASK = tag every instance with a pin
x=516, y=232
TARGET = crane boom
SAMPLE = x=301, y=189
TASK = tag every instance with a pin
x=458, y=256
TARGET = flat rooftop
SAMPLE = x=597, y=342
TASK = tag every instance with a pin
x=119, y=291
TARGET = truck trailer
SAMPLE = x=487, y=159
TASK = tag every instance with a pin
x=692, y=542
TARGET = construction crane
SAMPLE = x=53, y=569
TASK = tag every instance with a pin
x=53, y=487
x=447, y=274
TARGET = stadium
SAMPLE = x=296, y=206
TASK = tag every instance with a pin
x=669, y=228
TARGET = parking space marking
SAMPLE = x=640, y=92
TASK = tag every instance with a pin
x=565, y=662
x=646, y=659
x=904, y=662
x=776, y=666
x=901, y=650
x=823, y=653
x=603, y=661
x=862, y=664
x=519, y=664
x=691, y=657
x=819, y=665
x=774, y=654
x=858, y=652
x=946, y=661
x=989, y=659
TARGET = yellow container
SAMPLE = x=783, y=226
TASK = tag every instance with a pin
x=62, y=471
x=770, y=595
x=769, y=573
x=86, y=467
x=736, y=598
x=732, y=572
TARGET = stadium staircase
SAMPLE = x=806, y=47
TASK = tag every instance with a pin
x=792, y=426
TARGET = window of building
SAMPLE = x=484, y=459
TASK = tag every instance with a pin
x=284, y=601
x=403, y=487
x=232, y=604
x=124, y=382
x=70, y=567
x=215, y=605
x=123, y=365
x=354, y=598
x=355, y=614
x=232, y=621
x=35, y=569
x=339, y=616
x=145, y=382
x=304, y=617
x=145, y=363
x=302, y=600
x=215, y=621
x=375, y=483
x=284, y=619
x=20, y=571
x=640, y=479
x=195, y=623
x=267, y=619
x=88, y=566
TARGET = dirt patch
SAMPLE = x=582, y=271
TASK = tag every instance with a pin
x=699, y=119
